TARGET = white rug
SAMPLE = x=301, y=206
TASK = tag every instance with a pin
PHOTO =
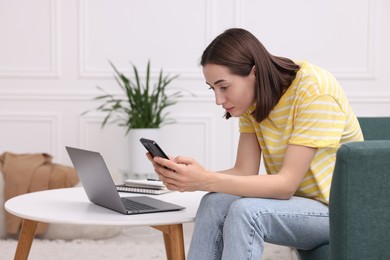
x=135, y=243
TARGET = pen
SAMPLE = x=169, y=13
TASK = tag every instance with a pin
x=152, y=179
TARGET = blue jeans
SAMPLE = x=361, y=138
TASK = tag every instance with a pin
x=232, y=227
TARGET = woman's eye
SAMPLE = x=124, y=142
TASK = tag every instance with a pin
x=219, y=88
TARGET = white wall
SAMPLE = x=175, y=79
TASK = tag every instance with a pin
x=54, y=53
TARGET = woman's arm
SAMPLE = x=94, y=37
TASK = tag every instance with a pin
x=242, y=180
x=282, y=185
x=248, y=156
x=247, y=161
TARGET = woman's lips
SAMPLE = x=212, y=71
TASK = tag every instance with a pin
x=230, y=109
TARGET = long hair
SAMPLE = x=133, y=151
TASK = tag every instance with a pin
x=239, y=51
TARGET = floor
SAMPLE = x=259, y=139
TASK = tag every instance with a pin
x=134, y=243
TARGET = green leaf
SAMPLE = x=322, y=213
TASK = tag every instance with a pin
x=142, y=104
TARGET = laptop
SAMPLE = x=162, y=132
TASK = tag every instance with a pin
x=101, y=190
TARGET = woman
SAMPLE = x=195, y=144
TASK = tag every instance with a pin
x=293, y=114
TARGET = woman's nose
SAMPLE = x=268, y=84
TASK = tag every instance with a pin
x=219, y=98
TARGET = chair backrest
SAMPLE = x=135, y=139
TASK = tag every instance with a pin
x=375, y=128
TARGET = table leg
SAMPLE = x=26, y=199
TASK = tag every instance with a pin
x=174, y=241
x=26, y=238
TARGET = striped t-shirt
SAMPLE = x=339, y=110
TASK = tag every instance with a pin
x=313, y=112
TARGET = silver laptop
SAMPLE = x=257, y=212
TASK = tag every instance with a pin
x=101, y=190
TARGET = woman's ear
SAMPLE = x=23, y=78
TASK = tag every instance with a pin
x=254, y=69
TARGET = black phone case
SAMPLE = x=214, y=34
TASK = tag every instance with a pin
x=153, y=148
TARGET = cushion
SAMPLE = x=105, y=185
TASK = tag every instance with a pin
x=318, y=253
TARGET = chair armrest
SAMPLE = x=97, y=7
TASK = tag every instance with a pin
x=360, y=202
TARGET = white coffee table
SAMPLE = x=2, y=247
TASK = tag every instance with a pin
x=71, y=206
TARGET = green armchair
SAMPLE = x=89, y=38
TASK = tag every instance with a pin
x=360, y=198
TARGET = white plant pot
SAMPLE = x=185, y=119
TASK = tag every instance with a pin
x=139, y=165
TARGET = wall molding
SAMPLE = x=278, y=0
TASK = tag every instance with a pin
x=53, y=119
x=96, y=118
x=93, y=73
x=39, y=96
x=368, y=72
x=42, y=95
x=53, y=71
x=370, y=99
x=206, y=122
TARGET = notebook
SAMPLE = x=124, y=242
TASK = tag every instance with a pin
x=145, y=183
x=146, y=186
x=100, y=188
x=126, y=188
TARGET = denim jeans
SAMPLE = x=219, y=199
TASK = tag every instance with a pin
x=232, y=227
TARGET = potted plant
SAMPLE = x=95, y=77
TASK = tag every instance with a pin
x=141, y=110
x=143, y=105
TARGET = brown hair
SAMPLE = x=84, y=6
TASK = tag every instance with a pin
x=239, y=50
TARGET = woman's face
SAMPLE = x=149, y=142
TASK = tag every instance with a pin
x=234, y=93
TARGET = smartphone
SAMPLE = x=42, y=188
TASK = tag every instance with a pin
x=153, y=148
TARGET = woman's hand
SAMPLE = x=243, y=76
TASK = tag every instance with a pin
x=181, y=173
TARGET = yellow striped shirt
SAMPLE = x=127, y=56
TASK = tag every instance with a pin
x=313, y=112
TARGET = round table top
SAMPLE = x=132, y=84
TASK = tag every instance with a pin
x=71, y=206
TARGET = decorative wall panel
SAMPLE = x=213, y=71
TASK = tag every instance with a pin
x=30, y=43
x=30, y=133
x=135, y=31
x=337, y=35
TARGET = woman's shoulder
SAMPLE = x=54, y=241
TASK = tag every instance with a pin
x=312, y=79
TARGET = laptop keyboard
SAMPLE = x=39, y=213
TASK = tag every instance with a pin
x=135, y=206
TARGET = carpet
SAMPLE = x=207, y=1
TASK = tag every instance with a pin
x=134, y=243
